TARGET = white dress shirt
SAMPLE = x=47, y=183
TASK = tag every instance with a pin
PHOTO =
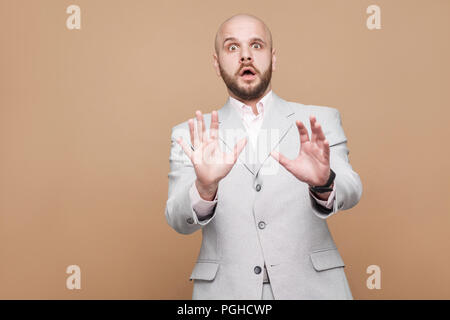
x=252, y=123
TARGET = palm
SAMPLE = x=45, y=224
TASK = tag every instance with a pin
x=210, y=163
x=312, y=164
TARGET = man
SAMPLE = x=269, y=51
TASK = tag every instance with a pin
x=262, y=215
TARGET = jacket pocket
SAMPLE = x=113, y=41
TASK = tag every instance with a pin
x=204, y=270
x=326, y=259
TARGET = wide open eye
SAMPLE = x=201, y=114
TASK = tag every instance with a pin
x=232, y=47
x=256, y=45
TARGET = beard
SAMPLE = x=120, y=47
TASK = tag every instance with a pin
x=247, y=93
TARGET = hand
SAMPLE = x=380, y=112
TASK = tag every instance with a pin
x=312, y=164
x=210, y=163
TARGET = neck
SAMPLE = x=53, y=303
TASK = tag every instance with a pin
x=252, y=103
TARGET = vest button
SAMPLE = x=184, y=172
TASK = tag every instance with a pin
x=258, y=187
x=257, y=269
x=261, y=224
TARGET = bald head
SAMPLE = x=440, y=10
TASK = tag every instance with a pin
x=244, y=42
x=240, y=21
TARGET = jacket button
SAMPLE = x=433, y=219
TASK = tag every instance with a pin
x=261, y=224
x=190, y=220
x=257, y=270
x=258, y=187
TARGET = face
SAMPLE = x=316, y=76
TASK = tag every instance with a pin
x=244, y=58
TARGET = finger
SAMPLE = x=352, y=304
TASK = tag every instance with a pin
x=214, y=128
x=192, y=131
x=304, y=136
x=204, y=136
x=200, y=125
x=186, y=148
x=312, y=120
x=285, y=162
x=320, y=137
x=326, y=152
x=239, y=147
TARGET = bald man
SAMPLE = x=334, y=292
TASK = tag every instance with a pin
x=259, y=177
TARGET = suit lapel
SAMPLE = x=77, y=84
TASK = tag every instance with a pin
x=231, y=130
x=275, y=126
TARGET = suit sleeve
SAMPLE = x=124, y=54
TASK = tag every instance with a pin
x=203, y=208
x=325, y=203
x=348, y=183
x=179, y=211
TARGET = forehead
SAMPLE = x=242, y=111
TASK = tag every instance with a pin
x=243, y=29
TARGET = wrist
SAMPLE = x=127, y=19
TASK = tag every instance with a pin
x=325, y=188
x=206, y=191
x=324, y=195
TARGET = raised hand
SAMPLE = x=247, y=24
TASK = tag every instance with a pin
x=210, y=163
x=312, y=164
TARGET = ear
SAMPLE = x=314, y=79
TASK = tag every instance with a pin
x=216, y=64
x=274, y=60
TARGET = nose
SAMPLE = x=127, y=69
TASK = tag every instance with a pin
x=246, y=56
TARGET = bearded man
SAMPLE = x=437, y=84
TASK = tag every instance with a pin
x=260, y=182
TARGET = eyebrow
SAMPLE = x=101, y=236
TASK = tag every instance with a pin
x=251, y=40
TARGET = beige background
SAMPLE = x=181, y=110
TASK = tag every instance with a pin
x=85, y=120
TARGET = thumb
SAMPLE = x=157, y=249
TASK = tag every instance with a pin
x=285, y=162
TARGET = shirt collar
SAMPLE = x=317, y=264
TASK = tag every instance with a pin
x=261, y=105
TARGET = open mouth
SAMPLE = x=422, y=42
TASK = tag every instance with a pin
x=248, y=73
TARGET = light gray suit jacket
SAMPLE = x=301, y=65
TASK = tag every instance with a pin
x=264, y=215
